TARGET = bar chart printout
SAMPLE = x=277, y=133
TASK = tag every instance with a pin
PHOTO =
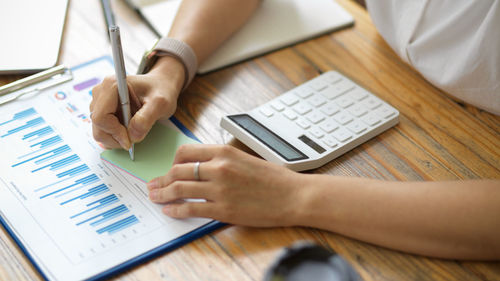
x=55, y=173
x=74, y=215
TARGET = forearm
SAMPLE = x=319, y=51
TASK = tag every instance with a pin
x=458, y=219
x=204, y=25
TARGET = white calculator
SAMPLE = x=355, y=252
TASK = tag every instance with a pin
x=313, y=123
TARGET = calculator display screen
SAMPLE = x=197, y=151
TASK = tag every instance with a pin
x=267, y=137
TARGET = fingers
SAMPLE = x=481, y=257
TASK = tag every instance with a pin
x=197, y=152
x=108, y=131
x=106, y=140
x=178, y=172
x=181, y=190
x=142, y=121
x=190, y=209
x=150, y=100
x=106, y=126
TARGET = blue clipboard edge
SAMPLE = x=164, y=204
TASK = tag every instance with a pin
x=21, y=246
x=167, y=247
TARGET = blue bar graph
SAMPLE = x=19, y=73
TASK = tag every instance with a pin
x=67, y=182
x=48, y=142
x=111, y=215
x=70, y=176
x=58, y=150
x=86, y=180
x=60, y=163
x=65, y=162
x=74, y=189
x=21, y=115
x=96, y=191
x=39, y=133
x=107, y=215
x=101, y=203
x=47, y=158
x=91, y=192
x=29, y=124
x=74, y=171
x=119, y=225
x=43, y=145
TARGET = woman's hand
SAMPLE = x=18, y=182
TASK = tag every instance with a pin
x=238, y=188
x=152, y=96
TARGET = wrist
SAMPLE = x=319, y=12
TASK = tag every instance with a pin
x=302, y=196
x=169, y=69
x=317, y=204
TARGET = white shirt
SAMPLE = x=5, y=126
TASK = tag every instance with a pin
x=454, y=44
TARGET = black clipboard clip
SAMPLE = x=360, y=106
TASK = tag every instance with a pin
x=35, y=83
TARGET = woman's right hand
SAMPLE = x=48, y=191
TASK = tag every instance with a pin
x=152, y=96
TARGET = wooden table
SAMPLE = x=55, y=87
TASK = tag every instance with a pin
x=437, y=139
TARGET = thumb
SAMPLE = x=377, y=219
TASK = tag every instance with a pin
x=144, y=119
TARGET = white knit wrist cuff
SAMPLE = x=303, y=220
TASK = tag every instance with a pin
x=183, y=52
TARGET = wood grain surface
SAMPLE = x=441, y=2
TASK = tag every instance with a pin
x=437, y=139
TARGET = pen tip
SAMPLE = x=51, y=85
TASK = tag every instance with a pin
x=131, y=153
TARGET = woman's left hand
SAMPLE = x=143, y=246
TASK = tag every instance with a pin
x=238, y=188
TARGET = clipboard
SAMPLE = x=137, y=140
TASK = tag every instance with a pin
x=13, y=216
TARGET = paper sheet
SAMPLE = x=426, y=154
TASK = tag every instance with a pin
x=76, y=215
x=153, y=156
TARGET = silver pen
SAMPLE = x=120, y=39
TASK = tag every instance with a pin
x=121, y=78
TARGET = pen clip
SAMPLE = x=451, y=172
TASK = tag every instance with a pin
x=52, y=77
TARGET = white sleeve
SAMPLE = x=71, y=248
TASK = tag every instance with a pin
x=454, y=44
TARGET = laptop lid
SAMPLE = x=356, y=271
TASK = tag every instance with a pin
x=31, y=32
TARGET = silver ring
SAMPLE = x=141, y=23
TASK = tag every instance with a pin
x=197, y=171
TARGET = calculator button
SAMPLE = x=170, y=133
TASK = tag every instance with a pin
x=372, y=102
x=289, y=100
x=304, y=92
x=356, y=127
x=330, y=109
x=385, y=111
x=371, y=119
x=328, y=126
x=318, y=84
x=315, y=131
x=303, y=123
x=315, y=117
x=330, y=142
x=266, y=111
x=357, y=110
x=290, y=115
x=277, y=106
x=358, y=94
x=343, y=118
x=332, y=77
x=342, y=135
x=343, y=86
x=317, y=100
x=302, y=108
x=344, y=101
x=331, y=93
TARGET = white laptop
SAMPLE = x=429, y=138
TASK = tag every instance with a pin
x=31, y=32
x=276, y=24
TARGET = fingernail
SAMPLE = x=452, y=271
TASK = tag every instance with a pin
x=152, y=184
x=153, y=195
x=124, y=143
